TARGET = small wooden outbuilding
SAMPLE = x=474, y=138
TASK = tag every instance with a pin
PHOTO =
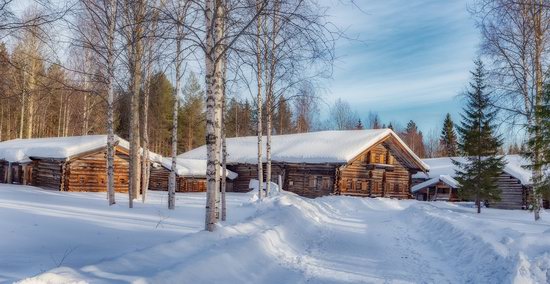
x=373, y=162
x=514, y=181
x=76, y=163
x=190, y=175
x=443, y=187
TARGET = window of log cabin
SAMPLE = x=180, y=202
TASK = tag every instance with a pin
x=326, y=183
x=358, y=185
x=122, y=180
x=365, y=186
x=366, y=158
x=349, y=185
x=318, y=183
x=396, y=187
x=312, y=182
x=81, y=179
x=290, y=182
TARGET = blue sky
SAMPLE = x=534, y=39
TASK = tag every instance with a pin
x=411, y=61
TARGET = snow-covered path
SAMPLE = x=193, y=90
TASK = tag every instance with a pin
x=289, y=239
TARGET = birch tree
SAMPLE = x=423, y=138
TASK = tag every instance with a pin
x=102, y=14
x=146, y=82
x=515, y=39
x=134, y=19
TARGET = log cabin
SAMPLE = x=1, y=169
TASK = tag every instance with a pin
x=373, y=162
x=76, y=163
x=442, y=187
x=190, y=175
x=514, y=182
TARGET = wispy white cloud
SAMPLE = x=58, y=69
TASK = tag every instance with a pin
x=413, y=55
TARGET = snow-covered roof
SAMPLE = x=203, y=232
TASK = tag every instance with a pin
x=21, y=150
x=448, y=180
x=191, y=167
x=313, y=147
x=515, y=166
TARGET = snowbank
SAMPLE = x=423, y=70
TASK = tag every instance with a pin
x=339, y=239
x=43, y=229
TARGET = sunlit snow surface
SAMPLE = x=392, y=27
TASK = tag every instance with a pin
x=283, y=239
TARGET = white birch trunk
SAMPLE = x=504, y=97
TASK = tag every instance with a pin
x=111, y=19
x=174, y=149
x=214, y=82
x=23, y=98
x=259, y=100
x=224, y=159
x=136, y=56
x=86, y=119
x=539, y=81
x=145, y=165
x=1, y=121
x=210, y=118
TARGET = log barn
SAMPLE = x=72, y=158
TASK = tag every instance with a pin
x=76, y=163
x=514, y=182
x=373, y=162
x=190, y=175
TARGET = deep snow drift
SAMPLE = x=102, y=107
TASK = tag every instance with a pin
x=285, y=239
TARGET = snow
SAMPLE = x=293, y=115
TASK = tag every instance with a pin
x=20, y=150
x=192, y=167
x=283, y=239
x=515, y=166
x=39, y=227
x=450, y=181
x=313, y=147
x=254, y=186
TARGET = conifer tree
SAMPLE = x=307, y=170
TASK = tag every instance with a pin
x=539, y=144
x=448, y=140
x=414, y=139
x=359, y=125
x=283, y=117
x=479, y=144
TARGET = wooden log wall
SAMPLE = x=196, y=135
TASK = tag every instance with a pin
x=375, y=173
x=247, y=172
x=48, y=173
x=89, y=173
x=159, y=181
x=442, y=193
x=3, y=171
x=310, y=180
x=513, y=194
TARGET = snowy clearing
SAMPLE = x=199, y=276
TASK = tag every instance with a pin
x=286, y=239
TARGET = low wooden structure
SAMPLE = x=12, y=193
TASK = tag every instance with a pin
x=159, y=181
x=374, y=163
x=514, y=182
x=190, y=175
x=75, y=163
x=442, y=188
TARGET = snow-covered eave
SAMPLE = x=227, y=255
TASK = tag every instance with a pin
x=384, y=135
x=181, y=170
x=448, y=180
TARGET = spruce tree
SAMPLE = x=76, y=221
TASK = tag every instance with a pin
x=359, y=125
x=539, y=144
x=479, y=144
x=448, y=140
